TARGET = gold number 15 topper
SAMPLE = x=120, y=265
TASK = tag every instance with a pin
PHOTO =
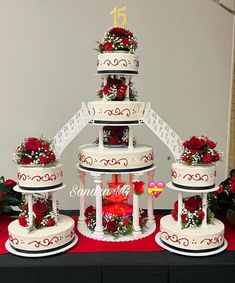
x=119, y=17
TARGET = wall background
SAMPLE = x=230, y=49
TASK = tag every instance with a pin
x=47, y=69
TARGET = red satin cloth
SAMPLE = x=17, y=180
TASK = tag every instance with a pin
x=88, y=245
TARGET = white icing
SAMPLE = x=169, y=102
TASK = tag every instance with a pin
x=199, y=238
x=40, y=176
x=91, y=157
x=42, y=239
x=117, y=62
x=119, y=111
x=193, y=176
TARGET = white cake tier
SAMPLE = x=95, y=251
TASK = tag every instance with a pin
x=45, y=239
x=194, y=239
x=40, y=177
x=115, y=159
x=115, y=112
x=186, y=176
x=117, y=62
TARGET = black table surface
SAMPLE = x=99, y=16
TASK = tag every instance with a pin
x=118, y=267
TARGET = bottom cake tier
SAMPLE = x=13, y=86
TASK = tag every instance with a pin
x=191, y=239
x=42, y=240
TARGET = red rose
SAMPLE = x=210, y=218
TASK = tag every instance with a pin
x=138, y=187
x=201, y=214
x=25, y=160
x=108, y=46
x=32, y=144
x=232, y=184
x=88, y=221
x=45, y=147
x=114, y=140
x=117, y=131
x=39, y=208
x=183, y=218
x=195, y=144
x=50, y=222
x=199, y=202
x=207, y=158
x=23, y=221
x=52, y=156
x=10, y=182
x=176, y=205
x=211, y=144
x=216, y=156
x=185, y=158
x=126, y=41
x=90, y=211
x=112, y=226
x=117, y=31
x=174, y=214
x=120, y=94
x=106, y=90
x=191, y=204
x=125, y=222
x=44, y=160
x=38, y=220
x=2, y=195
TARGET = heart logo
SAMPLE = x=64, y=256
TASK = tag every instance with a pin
x=155, y=189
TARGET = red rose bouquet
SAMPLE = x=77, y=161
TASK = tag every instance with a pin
x=117, y=39
x=192, y=213
x=43, y=214
x=34, y=151
x=199, y=150
x=116, y=89
x=8, y=197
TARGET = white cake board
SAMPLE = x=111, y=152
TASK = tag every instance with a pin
x=82, y=228
x=18, y=189
x=189, y=253
x=191, y=190
x=38, y=254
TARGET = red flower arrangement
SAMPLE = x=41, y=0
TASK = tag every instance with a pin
x=117, y=39
x=116, y=89
x=43, y=214
x=199, y=150
x=192, y=213
x=34, y=151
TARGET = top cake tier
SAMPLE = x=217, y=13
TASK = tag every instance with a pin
x=117, y=53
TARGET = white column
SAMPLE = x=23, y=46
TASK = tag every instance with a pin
x=204, y=209
x=82, y=217
x=30, y=209
x=130, y=144
x=136, y=224
x=151, y=218
x=128, y=87
x=54, y=205
x=105, y=83
x=180, y=203
x=101, y=137
x=99, y=216
x=130, y=189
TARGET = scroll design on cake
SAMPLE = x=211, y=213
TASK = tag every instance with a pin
x=45, y=242
x=173, y=174
x=13, y=240
x=115, y=62
x=196, y=177
x=71, y=234
x=114, y=161
x=147, y=158
x=22, y=177
x=118, y=112
x=44, y=178
x=85, y=159
x=175, y=239
x=136, y=62
x=215, y=240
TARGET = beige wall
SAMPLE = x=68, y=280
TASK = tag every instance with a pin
x=47, y=69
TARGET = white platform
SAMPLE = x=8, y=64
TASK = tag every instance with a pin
x=191, y=190
x=18, y=189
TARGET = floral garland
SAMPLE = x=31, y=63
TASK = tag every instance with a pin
x=114, y=225
x=117, y=39
x=115, y=89
x=34, y=151
x=43, y=214
x=199, y=150
x=192, y=213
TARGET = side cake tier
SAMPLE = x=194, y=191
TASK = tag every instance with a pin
x=116, y=112
x=117, y=62
x=115, y=159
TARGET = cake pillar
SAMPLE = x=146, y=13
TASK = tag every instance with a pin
x=54, y=205
x=180, y=203
x=130, y=189
x=98, y=194
x=128, y=87
x=30, y=209
x=151, y=218
x=82, y=217
x=130, y=143
x=105, y=78
x=101, y=138
x=136, y=224
x=204, y=209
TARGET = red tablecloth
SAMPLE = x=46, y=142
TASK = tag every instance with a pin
x=88, y=245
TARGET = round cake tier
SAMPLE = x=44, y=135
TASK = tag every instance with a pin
x=117, y=62
x=197, y=177
x=191, y=239
x=42, y=240
x=40, y=177
x=115, y=112
x=115, y=159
